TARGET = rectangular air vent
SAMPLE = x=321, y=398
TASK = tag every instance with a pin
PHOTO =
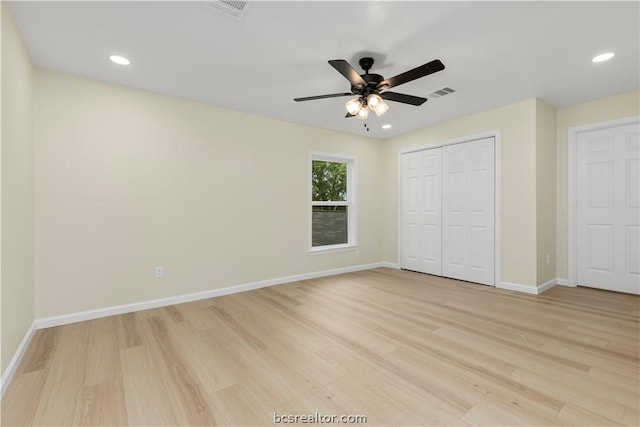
x=441, y=92
x=234, y=8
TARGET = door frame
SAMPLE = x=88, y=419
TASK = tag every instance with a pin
x=572, y=186
x=497, y=248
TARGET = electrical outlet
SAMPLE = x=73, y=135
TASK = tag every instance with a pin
x=548, y=259
x=159, y=272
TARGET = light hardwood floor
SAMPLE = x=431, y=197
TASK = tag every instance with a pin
x=400, y=348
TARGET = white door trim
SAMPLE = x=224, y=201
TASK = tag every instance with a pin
x=497, y=196
x=572, y=186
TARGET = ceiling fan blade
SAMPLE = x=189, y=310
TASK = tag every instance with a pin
x=349, y=72
x=416, y=73
x=401, y=97
x=333, y=95
x=349, y=115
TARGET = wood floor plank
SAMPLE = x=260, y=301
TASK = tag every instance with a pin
x=425, y=409
x=605, y=390
x=256, y=376
x=174, y=313
x=200, y=317
x=185, y=390
x=313, y=394
x=208, y=361
x=574, y=415
x=145, y=396
x=305, y=336
x=128, y=334
x=627, y=366
x=485, y=415
x=38, y=355
x=293, y=356
x=22, y=399
x=65, y=379
x=401, y=348
x=511, y=414
x=613, y=378
x=431, y=393
x=352, y=329
x=104, y=404
x=544, y=361
x=476, y=386
x=103, y=359
x=243, y=333
x=372, y=402
x=574, y=394
x=240, y=407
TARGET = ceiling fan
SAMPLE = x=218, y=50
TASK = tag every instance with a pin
x=372, y=89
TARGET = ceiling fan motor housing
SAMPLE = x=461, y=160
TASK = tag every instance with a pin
x=372, y=80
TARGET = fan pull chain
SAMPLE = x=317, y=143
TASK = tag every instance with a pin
x=366, y=127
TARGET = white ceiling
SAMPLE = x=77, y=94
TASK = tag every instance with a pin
x=495, y=53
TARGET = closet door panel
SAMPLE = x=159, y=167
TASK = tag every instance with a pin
x=468, y=174
x=431, y=211
x=411, y=200
x=422, y=211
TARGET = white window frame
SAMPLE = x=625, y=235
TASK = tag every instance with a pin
x=351, y=204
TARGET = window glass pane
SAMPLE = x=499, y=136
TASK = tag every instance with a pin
x=329, y=181
x=329, y=225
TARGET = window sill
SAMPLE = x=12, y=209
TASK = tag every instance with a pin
x=332, y=249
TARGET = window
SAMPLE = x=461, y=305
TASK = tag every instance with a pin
x=333, y=208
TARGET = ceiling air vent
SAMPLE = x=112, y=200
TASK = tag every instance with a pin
x=234, y=8
x=441, y=92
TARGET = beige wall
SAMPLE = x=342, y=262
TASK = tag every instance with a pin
x=127, y=180
x=517, y=126
x=545, y=192
x=601, y=110
x=17, y=224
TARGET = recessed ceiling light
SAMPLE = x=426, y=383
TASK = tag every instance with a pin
x=386, y=126
x=119, y=60
x=603, y=57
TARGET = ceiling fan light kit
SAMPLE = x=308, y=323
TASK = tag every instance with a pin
x=359, y=107
x=363, y=112
x=353, y=106
x=372, y=89
x=374, y=100
x=377, y=104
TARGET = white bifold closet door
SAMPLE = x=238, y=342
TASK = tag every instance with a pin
x=422, y=212
x=448, y=211
x=468, y=204
x=608, y=209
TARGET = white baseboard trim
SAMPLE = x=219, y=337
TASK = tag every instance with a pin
x=547, y=285
x=517, y=287
x=8, y=373
x=65, y=319
x=536, y=290
x=393, y=265
x=564, y=282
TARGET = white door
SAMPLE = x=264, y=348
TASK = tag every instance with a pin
x=607, y=201
x=468, y=230
x=421, y=211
